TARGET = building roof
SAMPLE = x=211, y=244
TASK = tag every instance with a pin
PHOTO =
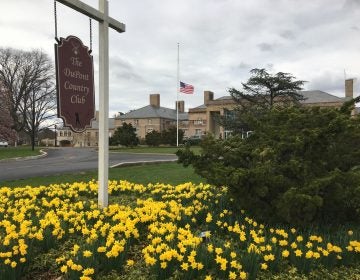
x=318, y=96
x=226, y=97
x=203, y=106
x=311, y=96
x=150, y=111
x=95, y=124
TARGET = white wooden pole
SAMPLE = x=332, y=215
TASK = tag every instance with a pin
x=177, y=97
x=102, y=16
x=103, y=170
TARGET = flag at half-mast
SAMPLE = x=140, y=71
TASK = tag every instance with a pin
x=186, y=88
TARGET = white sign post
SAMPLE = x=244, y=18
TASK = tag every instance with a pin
x=102, y=16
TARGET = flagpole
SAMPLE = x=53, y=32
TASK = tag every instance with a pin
x=177, y=97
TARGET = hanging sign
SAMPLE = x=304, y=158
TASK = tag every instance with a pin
x=75, y=83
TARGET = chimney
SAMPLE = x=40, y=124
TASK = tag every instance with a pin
x=181, y=106
x=208, y=96
x=155, y=100
x=349, y=88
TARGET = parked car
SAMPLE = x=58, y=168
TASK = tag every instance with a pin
x=3, y=143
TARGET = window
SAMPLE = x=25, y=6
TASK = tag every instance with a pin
x=69, y=133
x=136, y=122
x=227, y=133
x=150, y=121
x=199, y=121
x=229, y=114
x=198, y=132
x=246, y=134
x=61, y=133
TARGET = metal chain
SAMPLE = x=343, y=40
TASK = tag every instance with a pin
x=90, y=35
x=55, y=17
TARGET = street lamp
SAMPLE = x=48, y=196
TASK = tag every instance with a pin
x=55, y=136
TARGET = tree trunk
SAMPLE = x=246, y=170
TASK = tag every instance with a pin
x=33, y=123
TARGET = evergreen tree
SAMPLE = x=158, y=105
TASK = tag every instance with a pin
x=168, y=136
x=153, y=138
x=263, y=91
x=301, y=165
x=125, y=135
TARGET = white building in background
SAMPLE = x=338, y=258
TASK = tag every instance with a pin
x=88, y=138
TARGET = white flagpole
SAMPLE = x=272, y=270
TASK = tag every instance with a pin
x=177, y=98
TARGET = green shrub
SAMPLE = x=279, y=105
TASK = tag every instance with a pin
x=300, y=165
x=153, y=138
x=125, y=135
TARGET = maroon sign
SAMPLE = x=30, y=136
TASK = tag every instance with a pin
x=75, y=83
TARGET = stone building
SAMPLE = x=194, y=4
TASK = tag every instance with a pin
x=154, y=117
x=198, y=122
x=203, y=119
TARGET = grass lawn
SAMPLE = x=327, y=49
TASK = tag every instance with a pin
x=14, y=152
x=168, y=173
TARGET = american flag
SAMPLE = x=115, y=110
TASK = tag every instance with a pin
x=186, y=88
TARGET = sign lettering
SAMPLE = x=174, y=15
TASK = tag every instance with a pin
x=75, y=83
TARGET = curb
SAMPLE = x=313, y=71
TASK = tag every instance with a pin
x=132, y=163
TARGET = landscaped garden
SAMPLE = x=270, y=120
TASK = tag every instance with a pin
x=282, y=203
x=157, y=231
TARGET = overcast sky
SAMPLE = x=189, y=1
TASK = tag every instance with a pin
x=220, y=42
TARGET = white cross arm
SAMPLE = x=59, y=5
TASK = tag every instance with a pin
x=93, y=13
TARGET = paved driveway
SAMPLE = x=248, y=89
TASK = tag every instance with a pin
x=66, y=160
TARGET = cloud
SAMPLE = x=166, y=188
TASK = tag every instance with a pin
x=124, y=70
x=220, y=42
x=287, y=34
x=244, y=65
x=328, y=81
x=352, y=4
x=265, y=47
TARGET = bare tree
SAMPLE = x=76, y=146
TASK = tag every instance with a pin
x=28, y=76
x=42, y=108
x=6, y=131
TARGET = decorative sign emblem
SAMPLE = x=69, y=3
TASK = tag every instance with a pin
x=75, y=83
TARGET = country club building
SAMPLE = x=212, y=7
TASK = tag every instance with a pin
x=197, y=122
x=154, y=117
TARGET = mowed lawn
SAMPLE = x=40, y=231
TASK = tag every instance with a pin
x=167, y=173
x=152, y=150
x=15, y=152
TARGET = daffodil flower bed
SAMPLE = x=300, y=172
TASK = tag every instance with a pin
x=188, y=230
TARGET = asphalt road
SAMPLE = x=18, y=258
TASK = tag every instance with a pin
x=67, y=160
